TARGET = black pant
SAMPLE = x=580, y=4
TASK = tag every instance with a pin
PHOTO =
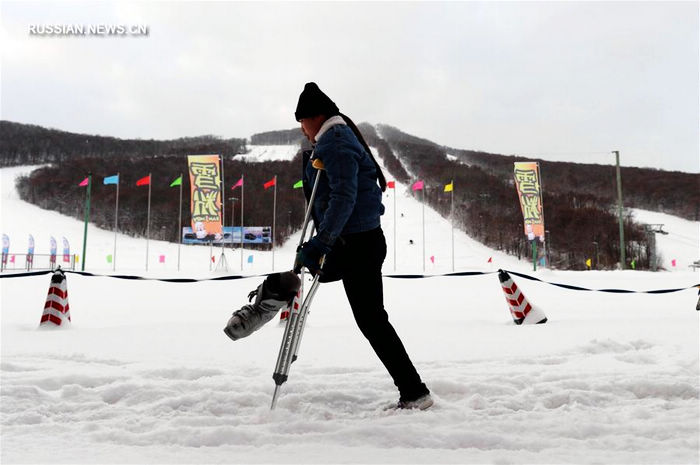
x=357, y=260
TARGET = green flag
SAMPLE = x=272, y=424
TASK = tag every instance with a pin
x=109, y=258
x=298, y=184
x=177, y=182
x=633, y=264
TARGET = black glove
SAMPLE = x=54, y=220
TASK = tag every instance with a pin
x=309, y=255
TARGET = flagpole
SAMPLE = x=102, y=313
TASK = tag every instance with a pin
x=242, y=205
x=87, y=218
x=222, y=189
x=223, y=208
x=148, y=219
x=394, y=227
x=274, y=216
x=452, y=218
x=423, y=192
x=116, y=222
x=179, y=226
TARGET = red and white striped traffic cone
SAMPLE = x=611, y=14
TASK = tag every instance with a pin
x=56, y=308
x=520, y=308
x=284, y=314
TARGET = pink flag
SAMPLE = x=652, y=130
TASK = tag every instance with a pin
x=432, y=258
x=490, y=260
x=417, y=186
x=161, y=259
x=673, y=262
x=238, y=184
x=84, y=182
x=12, y=258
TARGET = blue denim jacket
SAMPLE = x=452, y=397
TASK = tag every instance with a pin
x=348, y=199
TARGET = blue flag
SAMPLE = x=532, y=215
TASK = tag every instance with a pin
x=111, y=179
x=250, y=259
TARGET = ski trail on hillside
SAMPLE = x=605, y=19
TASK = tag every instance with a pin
x=410, y=173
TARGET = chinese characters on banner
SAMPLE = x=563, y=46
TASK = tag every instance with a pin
x=205, y=182
x=527, y=182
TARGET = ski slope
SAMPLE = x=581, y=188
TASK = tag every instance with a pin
x=145, y=374
x=263, y=153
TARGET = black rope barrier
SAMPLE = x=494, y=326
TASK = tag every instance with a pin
x=570, y=287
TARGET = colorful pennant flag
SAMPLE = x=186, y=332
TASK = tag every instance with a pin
x=417, y=186
x=84, y=182
x=490, y=260
x=391, y=184
x=298, y=184
x=145, y=181
x=542, y=261
x=12, y=258
x=109, y=258
x=432, y=259
x=269, y=183
x=177, y=182
x=111, y=180
x=449, y=187
x=238, y=184
x=161, y=259
x=250, y=259
x=589, y=263
x=633, y=264
x=673, y=262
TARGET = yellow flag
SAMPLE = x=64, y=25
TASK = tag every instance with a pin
x=588, y=263
x=448, y=187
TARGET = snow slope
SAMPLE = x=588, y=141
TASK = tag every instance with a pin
x=145, y=375
x=680, y=244
x=261, y=153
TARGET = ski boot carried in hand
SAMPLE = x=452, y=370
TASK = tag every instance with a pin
x=276, y=292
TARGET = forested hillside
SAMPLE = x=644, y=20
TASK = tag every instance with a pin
x=24, y=144
x=579, y=199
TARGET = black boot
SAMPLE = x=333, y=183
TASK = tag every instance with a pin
x=277, y=291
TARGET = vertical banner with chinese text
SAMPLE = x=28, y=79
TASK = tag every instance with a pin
x=205, y=184
x=527, y=182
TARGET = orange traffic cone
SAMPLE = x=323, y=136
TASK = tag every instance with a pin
x=520, y=308
x=56, y=308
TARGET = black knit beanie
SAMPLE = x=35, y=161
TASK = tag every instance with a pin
x=313, y=102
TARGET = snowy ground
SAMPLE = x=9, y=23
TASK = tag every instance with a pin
x=145, y=374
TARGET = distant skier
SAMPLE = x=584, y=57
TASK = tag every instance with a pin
x=346, y=213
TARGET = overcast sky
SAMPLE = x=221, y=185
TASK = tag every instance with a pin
x=559, y=80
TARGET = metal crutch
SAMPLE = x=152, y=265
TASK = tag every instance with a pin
x=297, y=317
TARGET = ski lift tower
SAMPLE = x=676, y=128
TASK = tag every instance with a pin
x=651, y=231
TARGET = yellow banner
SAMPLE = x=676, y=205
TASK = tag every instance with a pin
x=205, y=184
x=527, y=182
